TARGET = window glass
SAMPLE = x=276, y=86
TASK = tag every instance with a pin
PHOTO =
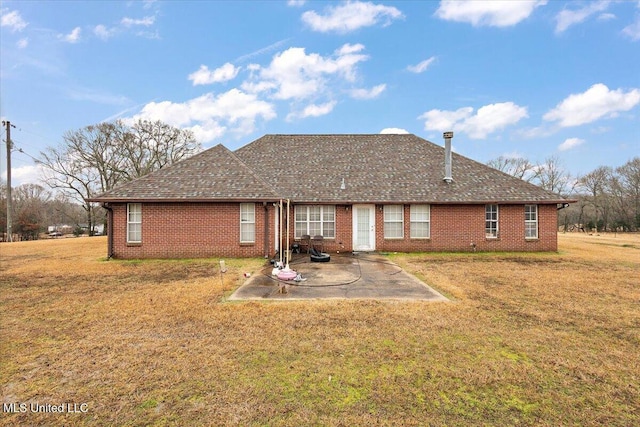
x=393, y=222
x=420, y=221
x=491, y=220
x=315, y=220
x=247, y=222
x=134, y=222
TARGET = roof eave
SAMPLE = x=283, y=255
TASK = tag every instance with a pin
x=184, y=200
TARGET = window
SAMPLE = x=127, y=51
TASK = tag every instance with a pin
x=531, y=221
x=315, y=221
x=420, y=221
x=247, y=222
x=134, y=222
x=491, y=221
x=393, y=222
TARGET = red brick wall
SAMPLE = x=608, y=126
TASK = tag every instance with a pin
x=456, y=227
x=184, y=230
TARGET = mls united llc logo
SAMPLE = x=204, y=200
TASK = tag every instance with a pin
x=34, y=407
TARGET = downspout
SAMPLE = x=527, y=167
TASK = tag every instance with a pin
x=109, y=230
x=266, y=229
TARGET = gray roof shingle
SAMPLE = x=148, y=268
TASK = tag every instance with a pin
x=377, y=168
x=215, y=174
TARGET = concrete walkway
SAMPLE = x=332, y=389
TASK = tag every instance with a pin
x=364, y=275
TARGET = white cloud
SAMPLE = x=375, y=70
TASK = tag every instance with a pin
x=148, y=3
x=22, y=43
x=421, y=66
x=633, y=30
x=204, y=76
x=13, y=20
x=103, y=32
x=374, y=92
x=73, y=36
x=570, y=143
x=211, y=116
x=294, y=74
x=488, y=119
x=493, y=117
x=27, y=174
x=394, y=131
x=348, y=48
x=146, y=21
x=597, y=102
x=295, y=2
x=567, y=18
x=487, y=13
x=209, y=131
x=443, y=120
x=128, y=25
x=606, y=16
x=313, y=110
x=351, y=16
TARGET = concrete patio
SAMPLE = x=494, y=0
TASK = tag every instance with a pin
x=360, y=275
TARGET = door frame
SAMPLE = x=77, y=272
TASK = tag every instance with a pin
x=372, y=227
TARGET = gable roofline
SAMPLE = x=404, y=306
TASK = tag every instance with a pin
x=212, y=175
x=310, y=169
x=381, y=168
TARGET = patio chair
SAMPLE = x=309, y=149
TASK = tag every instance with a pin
x=318, y=241
x=305, y=243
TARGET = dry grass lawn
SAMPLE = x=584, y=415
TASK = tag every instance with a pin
x=529, y=339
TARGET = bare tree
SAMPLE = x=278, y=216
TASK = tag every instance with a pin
x=625, y=192
x=515, y=166
x=99, y=157
x=98, y=147
x=30, y=201
x=151, y=145
x=67, y=171
x=552, y=176
x=595, y=184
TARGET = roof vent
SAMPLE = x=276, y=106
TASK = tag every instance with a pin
x=447, y=156
x=342, y=185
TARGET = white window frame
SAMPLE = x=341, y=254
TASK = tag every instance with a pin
x=247, y=221
x=134, y=210
x=423, y=219
x=302, y=221
x=390, y=210
x=491, y=224
x=530, y=221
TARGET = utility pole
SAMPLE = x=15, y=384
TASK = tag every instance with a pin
x=7, y=124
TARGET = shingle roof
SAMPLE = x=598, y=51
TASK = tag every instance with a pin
x=216, y=174
x=377, y=168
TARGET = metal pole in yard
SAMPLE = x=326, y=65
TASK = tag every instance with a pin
x=8, y=125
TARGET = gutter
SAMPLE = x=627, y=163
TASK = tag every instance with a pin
x=109, y=230
x=266, y=229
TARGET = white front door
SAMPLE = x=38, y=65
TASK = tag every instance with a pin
x=364, y=227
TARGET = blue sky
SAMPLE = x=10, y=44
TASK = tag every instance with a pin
x=513, y=78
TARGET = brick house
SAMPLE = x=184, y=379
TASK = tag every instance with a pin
x=360, y=192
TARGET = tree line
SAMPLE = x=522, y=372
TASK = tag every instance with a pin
x=90, y=161
x=34, y=208
x=99, y=157
x=608, y=198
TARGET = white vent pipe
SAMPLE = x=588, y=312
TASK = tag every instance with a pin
x=447, y=156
